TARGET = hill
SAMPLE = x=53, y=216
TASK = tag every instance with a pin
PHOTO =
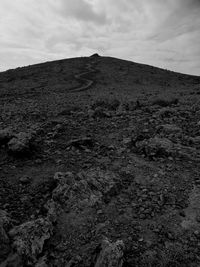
x=99, y=165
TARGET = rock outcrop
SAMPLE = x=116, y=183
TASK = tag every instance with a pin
x=111, y=254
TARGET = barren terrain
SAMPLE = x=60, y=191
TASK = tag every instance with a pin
x=99, y=165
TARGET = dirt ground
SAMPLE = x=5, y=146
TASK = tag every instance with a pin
x=99, y=165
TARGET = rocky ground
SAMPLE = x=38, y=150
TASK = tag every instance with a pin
x=99, y=165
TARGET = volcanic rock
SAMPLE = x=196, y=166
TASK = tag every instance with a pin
x=20, y=143
x=169, y=129
x=5, y=136
x=111, y=254
x=156, y=146
x=4, y=239
x=29, y=237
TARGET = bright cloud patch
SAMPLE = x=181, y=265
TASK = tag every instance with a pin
x=163, y=33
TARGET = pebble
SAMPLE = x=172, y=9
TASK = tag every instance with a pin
x=196, y=233
x=38, y=161
x=25, y=179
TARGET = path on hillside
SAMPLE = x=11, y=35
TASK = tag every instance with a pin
x=85, y=82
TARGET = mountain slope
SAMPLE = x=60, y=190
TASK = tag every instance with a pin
x=99, y=165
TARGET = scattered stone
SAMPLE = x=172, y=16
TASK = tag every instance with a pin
x=169, y=129
x=38, y=161
x=195, y=140
x=198, y=218
x=128, y=141
x=42, y=262
x=53, y=209
x=166, y=112
x=197, y=233
x=111, y=254
x=25, y=179
x=20, y=143
x=4, y=239
x=92, y=186
x=99, y=112
x=81, y=143
x=182, y=213
x=156, y=147
x=165, y=101
x=63, y=178
x=5, y=136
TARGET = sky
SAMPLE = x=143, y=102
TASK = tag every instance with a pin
x=163, y=33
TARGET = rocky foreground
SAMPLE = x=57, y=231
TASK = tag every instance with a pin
x=113, y=183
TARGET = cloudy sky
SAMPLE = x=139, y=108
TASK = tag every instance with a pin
x=164, y=33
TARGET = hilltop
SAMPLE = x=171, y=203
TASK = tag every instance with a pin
x=99, y=165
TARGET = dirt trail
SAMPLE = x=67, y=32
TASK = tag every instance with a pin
x=85, y=82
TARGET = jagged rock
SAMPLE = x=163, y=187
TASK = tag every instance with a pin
x=156, y=146
x=63, y=178
x=194, y=140
x=13, y=260
x=166, y=112
x=4, y=218
x=100, y=181
x=20, y=143
x=111, y=254
x=5, y=136
x=128, y=142
x=99, y=112
x=29, y=237
x=52, y=210
x=42, y=262
x=4, y=239
x=87, y=189
x=81, y=142
x=188, y=153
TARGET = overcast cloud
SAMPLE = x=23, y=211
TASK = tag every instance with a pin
x=164, y=33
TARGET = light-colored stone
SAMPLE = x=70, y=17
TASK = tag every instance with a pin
x=20, y=143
